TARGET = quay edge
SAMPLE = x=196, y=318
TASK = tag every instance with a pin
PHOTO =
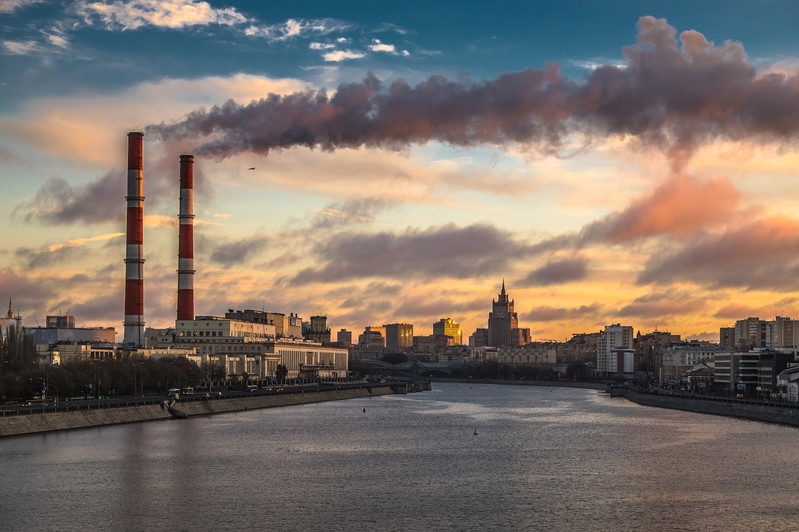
x=94, y=417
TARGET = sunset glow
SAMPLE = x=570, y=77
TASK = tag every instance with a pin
x=383, y=168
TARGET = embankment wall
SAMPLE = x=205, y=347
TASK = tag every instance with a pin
x=769, y=413
x=46, y=422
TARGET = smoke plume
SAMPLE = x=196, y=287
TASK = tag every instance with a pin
x=669, y=93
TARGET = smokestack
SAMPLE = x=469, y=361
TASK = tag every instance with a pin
x=186, y=240
x=134, y=255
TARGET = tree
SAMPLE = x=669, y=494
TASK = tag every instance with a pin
x=578, y=371
x=395, y=358
x=281, y=372
x=17, y=351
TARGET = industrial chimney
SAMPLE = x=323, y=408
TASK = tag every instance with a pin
x=134, y=255
x=186, y=240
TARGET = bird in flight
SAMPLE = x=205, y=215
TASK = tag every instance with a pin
x=253, y=168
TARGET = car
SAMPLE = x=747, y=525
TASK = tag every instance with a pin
x=739, y=396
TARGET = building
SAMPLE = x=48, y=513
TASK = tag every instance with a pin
x=649, y=349
x=372, y=338
x=479, y=338
x=434, y=343
x=727, y=337
x=250, y=350
x=399, y=336
x=782, y=332
x=10, y=320
x=344, y=338
x=285, y=326
x=581, y=347
x=737, y=372
x=788, y=384
x=317, y=330
x=503, y=322
x=61, y=329
x=678, y=359
x=614, y=337
x=750, y=333
x=536, y=354
x=621, y=361
x=80, y=351
x=771, y=364
x=448, y=327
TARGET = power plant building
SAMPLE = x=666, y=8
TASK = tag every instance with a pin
x=61, y=329
x=249, y=344
x=250, y=350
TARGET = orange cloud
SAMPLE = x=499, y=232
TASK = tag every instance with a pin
x=679, y=206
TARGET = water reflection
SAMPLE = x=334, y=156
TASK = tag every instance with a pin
x=543, y=458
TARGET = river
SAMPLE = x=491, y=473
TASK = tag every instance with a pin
x=542, y=459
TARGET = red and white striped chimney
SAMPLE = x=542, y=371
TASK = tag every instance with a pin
x=186, y=240
x=134, y=254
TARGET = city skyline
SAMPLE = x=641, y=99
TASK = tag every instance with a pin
x=611, y=163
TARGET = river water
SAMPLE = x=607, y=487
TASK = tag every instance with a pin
x=542, y=459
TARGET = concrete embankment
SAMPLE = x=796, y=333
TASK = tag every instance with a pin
x=752, y=410
x=93, y=417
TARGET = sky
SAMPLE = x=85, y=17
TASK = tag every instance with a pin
x=611, y=162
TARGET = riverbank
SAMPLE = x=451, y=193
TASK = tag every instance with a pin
x=782, y=414
x=95, y=417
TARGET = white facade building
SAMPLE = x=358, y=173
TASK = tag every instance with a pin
x=614, y=337
x=677, y=359
x=250, y=350
x=533, y=354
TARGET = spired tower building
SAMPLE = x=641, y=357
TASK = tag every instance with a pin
x=503, y=321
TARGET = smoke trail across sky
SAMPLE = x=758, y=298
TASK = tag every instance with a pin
x=670, y=93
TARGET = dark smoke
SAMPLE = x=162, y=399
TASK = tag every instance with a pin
x=671, y=94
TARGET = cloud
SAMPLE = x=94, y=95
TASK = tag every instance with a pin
x=669, y=95
x=758, y=255
x=26, y=291
x=38, y=259
x=239, y=252
x=438, y=252
x=59, y=202
x=548, y=313
x=22, y=47
x=321, y=46
x=735, y=312
x=662, y=305
x=381, y=47
x=352, y=210
x=337, y=56
x=557, y=272
x=76, y=242
x=58, y=40
x=429, y=308
x=76, y=128
x=678, y=206
x=378, y=46
x=294, y=28
x=173, y=14
x=10, y=6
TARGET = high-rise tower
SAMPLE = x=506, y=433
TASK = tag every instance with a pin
x=502, y=320
x=134, y=251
